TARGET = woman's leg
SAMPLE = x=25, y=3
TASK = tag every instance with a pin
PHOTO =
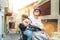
x=28, y=33
x=40, y=35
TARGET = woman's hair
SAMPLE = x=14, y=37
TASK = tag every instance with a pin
x=24, y=17
x=37, y=10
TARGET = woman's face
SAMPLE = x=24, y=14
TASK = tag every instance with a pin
x=36, y=13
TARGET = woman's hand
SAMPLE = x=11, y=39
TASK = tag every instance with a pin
x=25, y=23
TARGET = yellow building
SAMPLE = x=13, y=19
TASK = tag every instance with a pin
x=50, y=14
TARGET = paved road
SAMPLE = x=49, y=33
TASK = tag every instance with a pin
x=12, y=37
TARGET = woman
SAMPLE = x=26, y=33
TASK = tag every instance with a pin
x=34, y=20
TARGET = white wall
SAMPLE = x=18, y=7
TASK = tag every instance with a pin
x=1, y=19
x=1, y=25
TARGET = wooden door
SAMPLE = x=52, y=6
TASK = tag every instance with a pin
x=50, y=25
x=45, y=8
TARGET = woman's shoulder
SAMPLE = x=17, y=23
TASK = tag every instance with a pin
x=30, y=17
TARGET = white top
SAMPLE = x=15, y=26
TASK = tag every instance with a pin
x=36, y=22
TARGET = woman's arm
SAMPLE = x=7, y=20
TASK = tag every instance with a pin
x=25, y=23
